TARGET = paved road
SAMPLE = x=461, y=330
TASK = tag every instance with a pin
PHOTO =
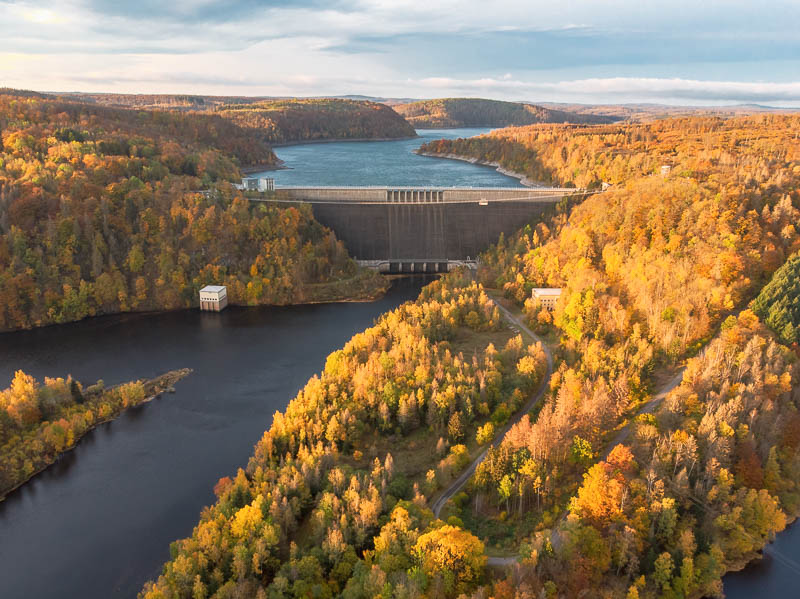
x=457, y=484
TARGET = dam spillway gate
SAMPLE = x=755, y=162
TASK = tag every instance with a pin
x=421, y=229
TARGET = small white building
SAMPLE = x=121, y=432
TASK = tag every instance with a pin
x=665, y=169
x=547, y=296
x=256, y=184
x=213, y=298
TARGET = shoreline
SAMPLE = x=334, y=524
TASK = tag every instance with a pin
x=281, y=165
x=344, y=300
x=523, y=179
x=156, y=386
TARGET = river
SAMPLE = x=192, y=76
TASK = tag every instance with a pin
x=98, y=523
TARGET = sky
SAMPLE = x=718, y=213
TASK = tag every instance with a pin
x=689, y=52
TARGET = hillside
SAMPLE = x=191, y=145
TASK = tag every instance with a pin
x=335, y=496
x=469, y=112
x=100, y=213
x=649, y=271
x=285, y=121
x=650, y=112
x=277, y=120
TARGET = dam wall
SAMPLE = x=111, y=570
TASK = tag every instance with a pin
x=421, y=229
x=424, y=232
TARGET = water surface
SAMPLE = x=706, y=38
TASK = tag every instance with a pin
x=98, y=523
x=776, y=575
x=390, y=163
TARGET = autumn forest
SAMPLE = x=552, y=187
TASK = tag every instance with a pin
x=639, y=440
x=665, y=451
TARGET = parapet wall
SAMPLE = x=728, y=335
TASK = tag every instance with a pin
x=421, y=195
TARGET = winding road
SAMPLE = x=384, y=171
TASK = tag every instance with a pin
x=457, y=484
x=621, y=436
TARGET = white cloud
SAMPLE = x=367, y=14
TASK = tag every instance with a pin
x=622, y=89
x=398, y=48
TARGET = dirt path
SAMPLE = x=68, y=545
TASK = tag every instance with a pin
x=457, y=484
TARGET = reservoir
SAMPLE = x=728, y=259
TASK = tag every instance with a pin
x=384, y=163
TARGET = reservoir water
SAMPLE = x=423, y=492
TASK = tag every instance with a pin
x=98, y=524
x=390, y=163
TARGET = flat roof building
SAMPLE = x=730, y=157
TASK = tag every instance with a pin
x=256, y=184
x=547, y=296
x=213, y=298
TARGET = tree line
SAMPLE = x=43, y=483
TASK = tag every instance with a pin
x=283, y=121
x=477, y=112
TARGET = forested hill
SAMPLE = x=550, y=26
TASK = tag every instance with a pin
x=99, y=213
x=278, y=120
x=284, y=121
x=473, y=112
x=332, y=503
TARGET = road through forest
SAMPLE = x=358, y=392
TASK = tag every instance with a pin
x=457, y=484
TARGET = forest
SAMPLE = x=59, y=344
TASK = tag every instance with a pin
x=333, y=500
x=474, y=112
x=656, y=275
x=107, y=210
x=650, y=269
x=286, y=121
x=40, y=421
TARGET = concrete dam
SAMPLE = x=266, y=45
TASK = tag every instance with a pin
x=419, y=230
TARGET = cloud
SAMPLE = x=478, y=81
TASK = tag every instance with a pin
x=584, y=50
x=623, y=89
